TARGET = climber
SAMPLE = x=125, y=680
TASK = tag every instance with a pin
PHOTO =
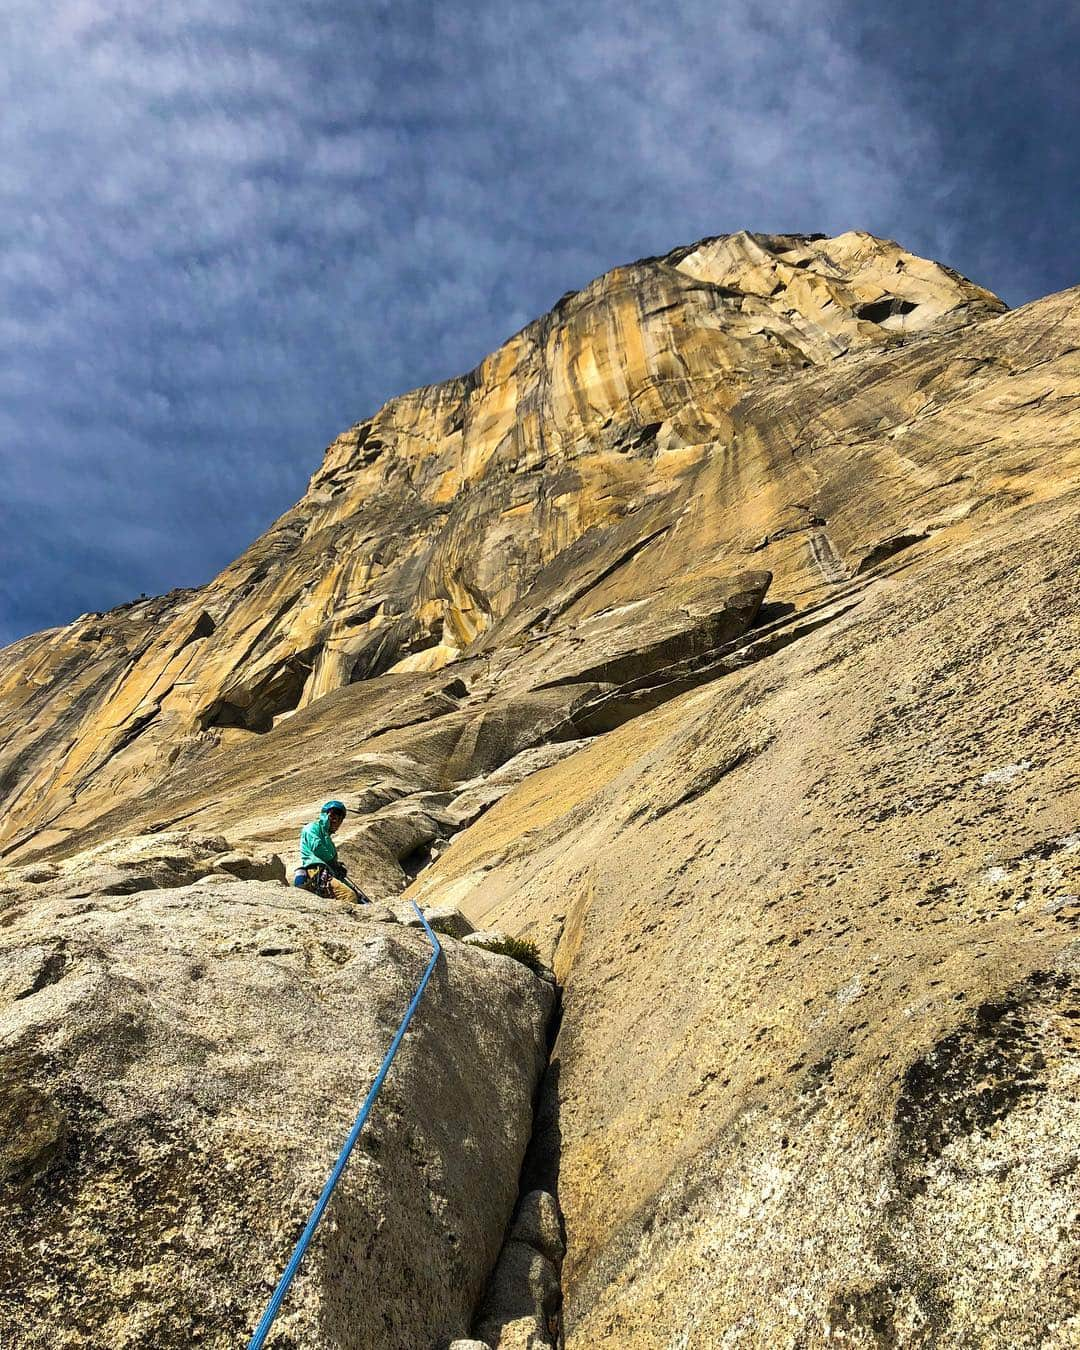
x=320, y=867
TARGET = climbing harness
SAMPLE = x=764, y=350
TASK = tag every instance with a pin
x=318, y=881
x=273, y=1307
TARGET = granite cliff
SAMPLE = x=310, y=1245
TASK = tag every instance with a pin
x=717, y=633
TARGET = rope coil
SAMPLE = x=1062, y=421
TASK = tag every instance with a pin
x=274, y=1306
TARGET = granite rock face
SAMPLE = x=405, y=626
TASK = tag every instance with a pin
x=178, y=1070
x=490, y=507
x=816, y=928
x=718, y=634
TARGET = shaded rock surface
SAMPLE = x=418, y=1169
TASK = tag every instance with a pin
x=177, y=1073
x=521, y=1305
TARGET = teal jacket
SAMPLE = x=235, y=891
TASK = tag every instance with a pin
x=316, y=846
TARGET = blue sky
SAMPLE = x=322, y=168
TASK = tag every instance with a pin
x=229, y=230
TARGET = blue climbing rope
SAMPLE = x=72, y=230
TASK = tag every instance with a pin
x=273, y=1307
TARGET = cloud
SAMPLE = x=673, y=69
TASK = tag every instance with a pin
x=231, y=230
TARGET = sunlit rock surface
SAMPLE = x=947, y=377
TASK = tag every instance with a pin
x=718, y=633
x=816, y=924
x=603, y=438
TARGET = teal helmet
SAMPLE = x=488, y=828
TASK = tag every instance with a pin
x=333, y=806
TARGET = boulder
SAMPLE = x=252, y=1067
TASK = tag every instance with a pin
x=520, y=1307
x=523, y=1333
x=263, y=867
x=152, y=861
x=521, y=1304
x=447, y=920
x=538, y=1225
x=178, y=1072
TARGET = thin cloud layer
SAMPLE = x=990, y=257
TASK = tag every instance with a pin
x=230, y=230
